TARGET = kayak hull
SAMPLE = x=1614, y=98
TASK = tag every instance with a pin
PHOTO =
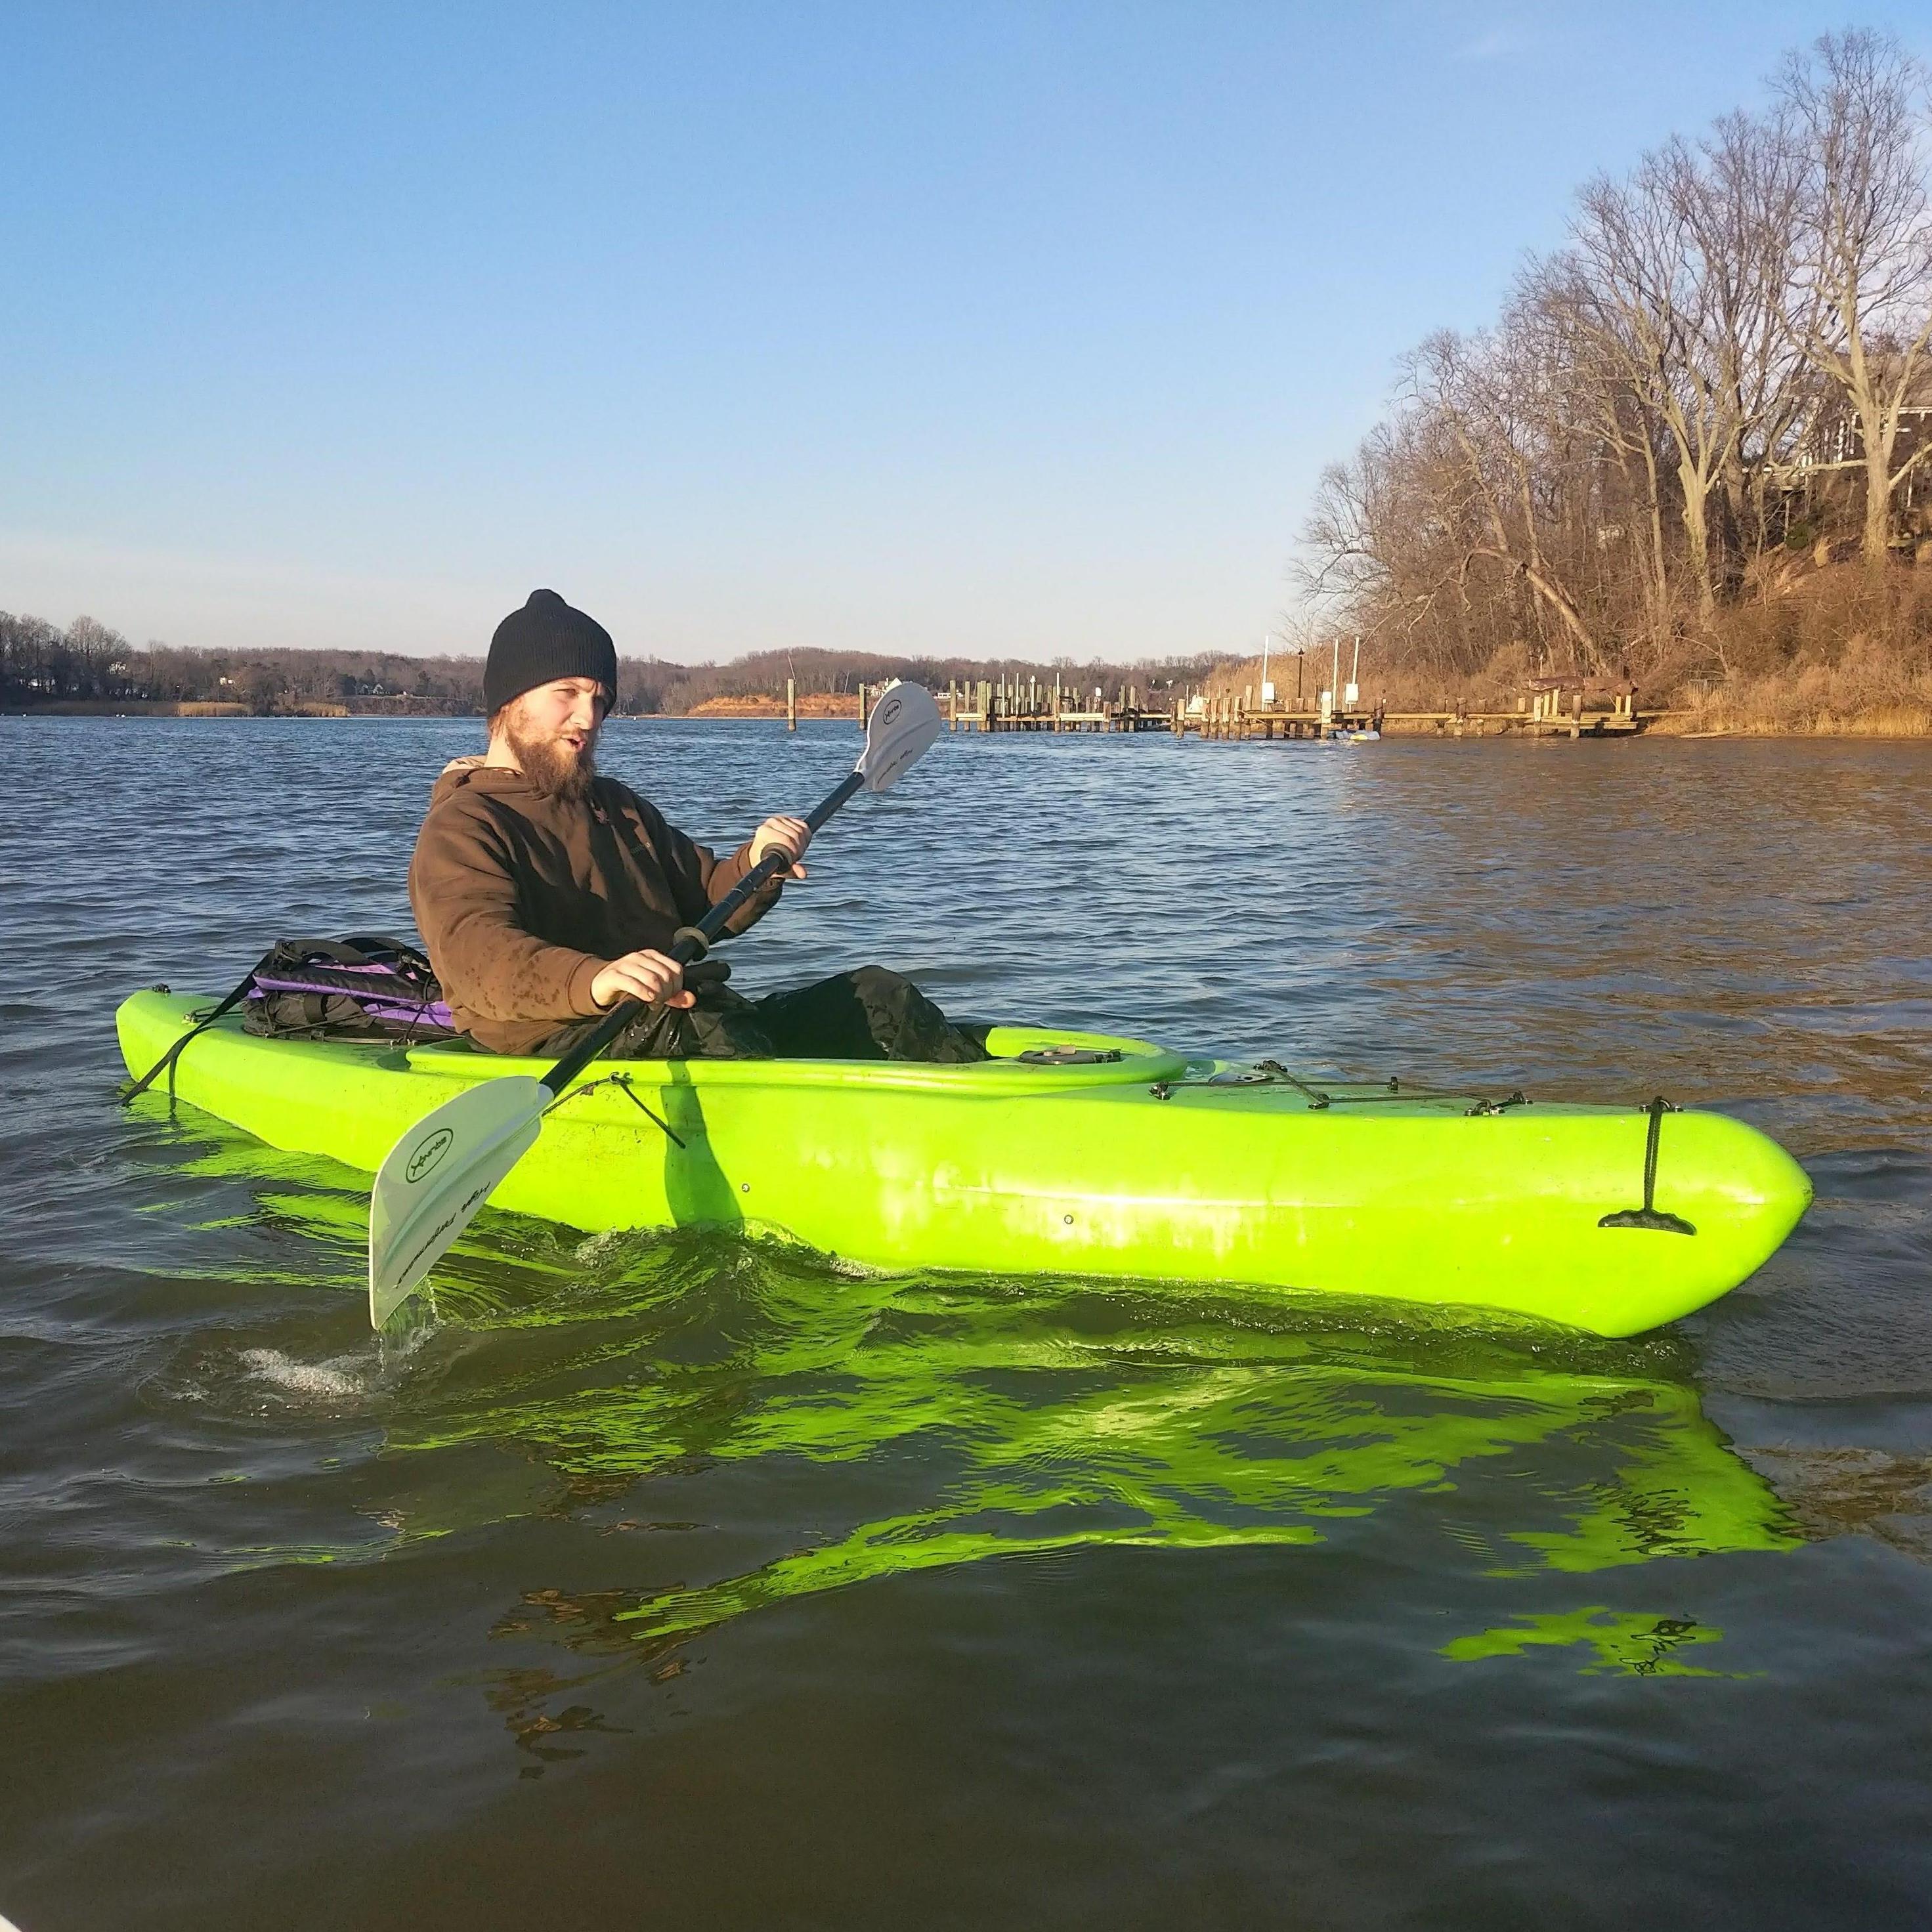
x=1149, y=1166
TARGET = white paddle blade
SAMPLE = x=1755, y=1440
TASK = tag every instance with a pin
x=433, y=1179
x=904, y=723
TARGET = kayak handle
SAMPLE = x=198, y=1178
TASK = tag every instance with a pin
x=1650, y=1215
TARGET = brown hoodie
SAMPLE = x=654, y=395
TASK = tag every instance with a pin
x=523, y=899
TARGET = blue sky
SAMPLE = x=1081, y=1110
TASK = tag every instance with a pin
x=1017, y=329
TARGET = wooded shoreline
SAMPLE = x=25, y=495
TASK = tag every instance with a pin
x=1762, y=716
x=1694, y=447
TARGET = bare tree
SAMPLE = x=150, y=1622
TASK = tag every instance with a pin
x=1498, y=411
x=1664, y=273
x=32, y=657
x=1346, y=541
x=1610, y=403
x=1387, y=537
x=96, y=651
x=1741, y=204
x=1864, y=242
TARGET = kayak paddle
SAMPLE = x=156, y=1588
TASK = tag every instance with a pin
x=433, y=1179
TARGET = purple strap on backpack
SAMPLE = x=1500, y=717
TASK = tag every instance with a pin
x=388, y=1003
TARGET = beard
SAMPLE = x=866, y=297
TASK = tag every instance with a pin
x=554, y=767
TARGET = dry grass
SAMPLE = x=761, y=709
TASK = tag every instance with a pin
x=139, y=707
x=1817, y=700
x=1805, y=651
x=1837, y=652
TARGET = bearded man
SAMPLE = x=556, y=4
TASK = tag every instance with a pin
x=546, y=893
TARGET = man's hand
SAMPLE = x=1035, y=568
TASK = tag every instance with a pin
x=654, y=978
x=782, y=835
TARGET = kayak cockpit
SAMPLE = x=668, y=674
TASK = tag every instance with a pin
x=1024, y=1060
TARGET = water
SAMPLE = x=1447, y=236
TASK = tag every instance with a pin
x=685, y=1581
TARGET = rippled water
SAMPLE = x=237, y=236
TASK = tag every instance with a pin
x=688, y=1581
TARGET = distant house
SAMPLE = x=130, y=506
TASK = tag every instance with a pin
x=1830, y=466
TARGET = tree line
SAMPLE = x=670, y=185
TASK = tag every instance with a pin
x=1720, y=381
x=41, y=664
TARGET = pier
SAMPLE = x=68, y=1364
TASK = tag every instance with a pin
x=1549, y=707
x=1031, y=704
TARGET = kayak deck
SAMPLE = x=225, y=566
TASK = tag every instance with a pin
x=1143, y=1164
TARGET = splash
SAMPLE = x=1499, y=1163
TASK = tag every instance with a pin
x=344, y=1379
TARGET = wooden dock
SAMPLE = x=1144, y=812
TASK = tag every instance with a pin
x=1014, y=704
x=1551, y=708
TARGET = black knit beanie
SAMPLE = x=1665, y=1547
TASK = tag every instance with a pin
x=545, y=641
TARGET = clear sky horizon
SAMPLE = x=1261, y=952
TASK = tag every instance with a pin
x=1013, y=330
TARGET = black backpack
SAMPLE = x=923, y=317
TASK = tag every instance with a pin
x=365, y=987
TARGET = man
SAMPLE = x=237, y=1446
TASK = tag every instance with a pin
x=546, y=894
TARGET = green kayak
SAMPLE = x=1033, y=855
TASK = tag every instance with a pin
x=1077, y=1153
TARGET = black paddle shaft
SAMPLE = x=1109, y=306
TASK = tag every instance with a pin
x=686, y=947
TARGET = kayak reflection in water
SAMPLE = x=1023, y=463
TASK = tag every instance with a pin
x=546, y=893
x=932, y=1423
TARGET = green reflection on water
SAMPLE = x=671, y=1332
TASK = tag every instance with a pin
x=890, y=1427
x=1627, y=1644
x=942, y=1422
